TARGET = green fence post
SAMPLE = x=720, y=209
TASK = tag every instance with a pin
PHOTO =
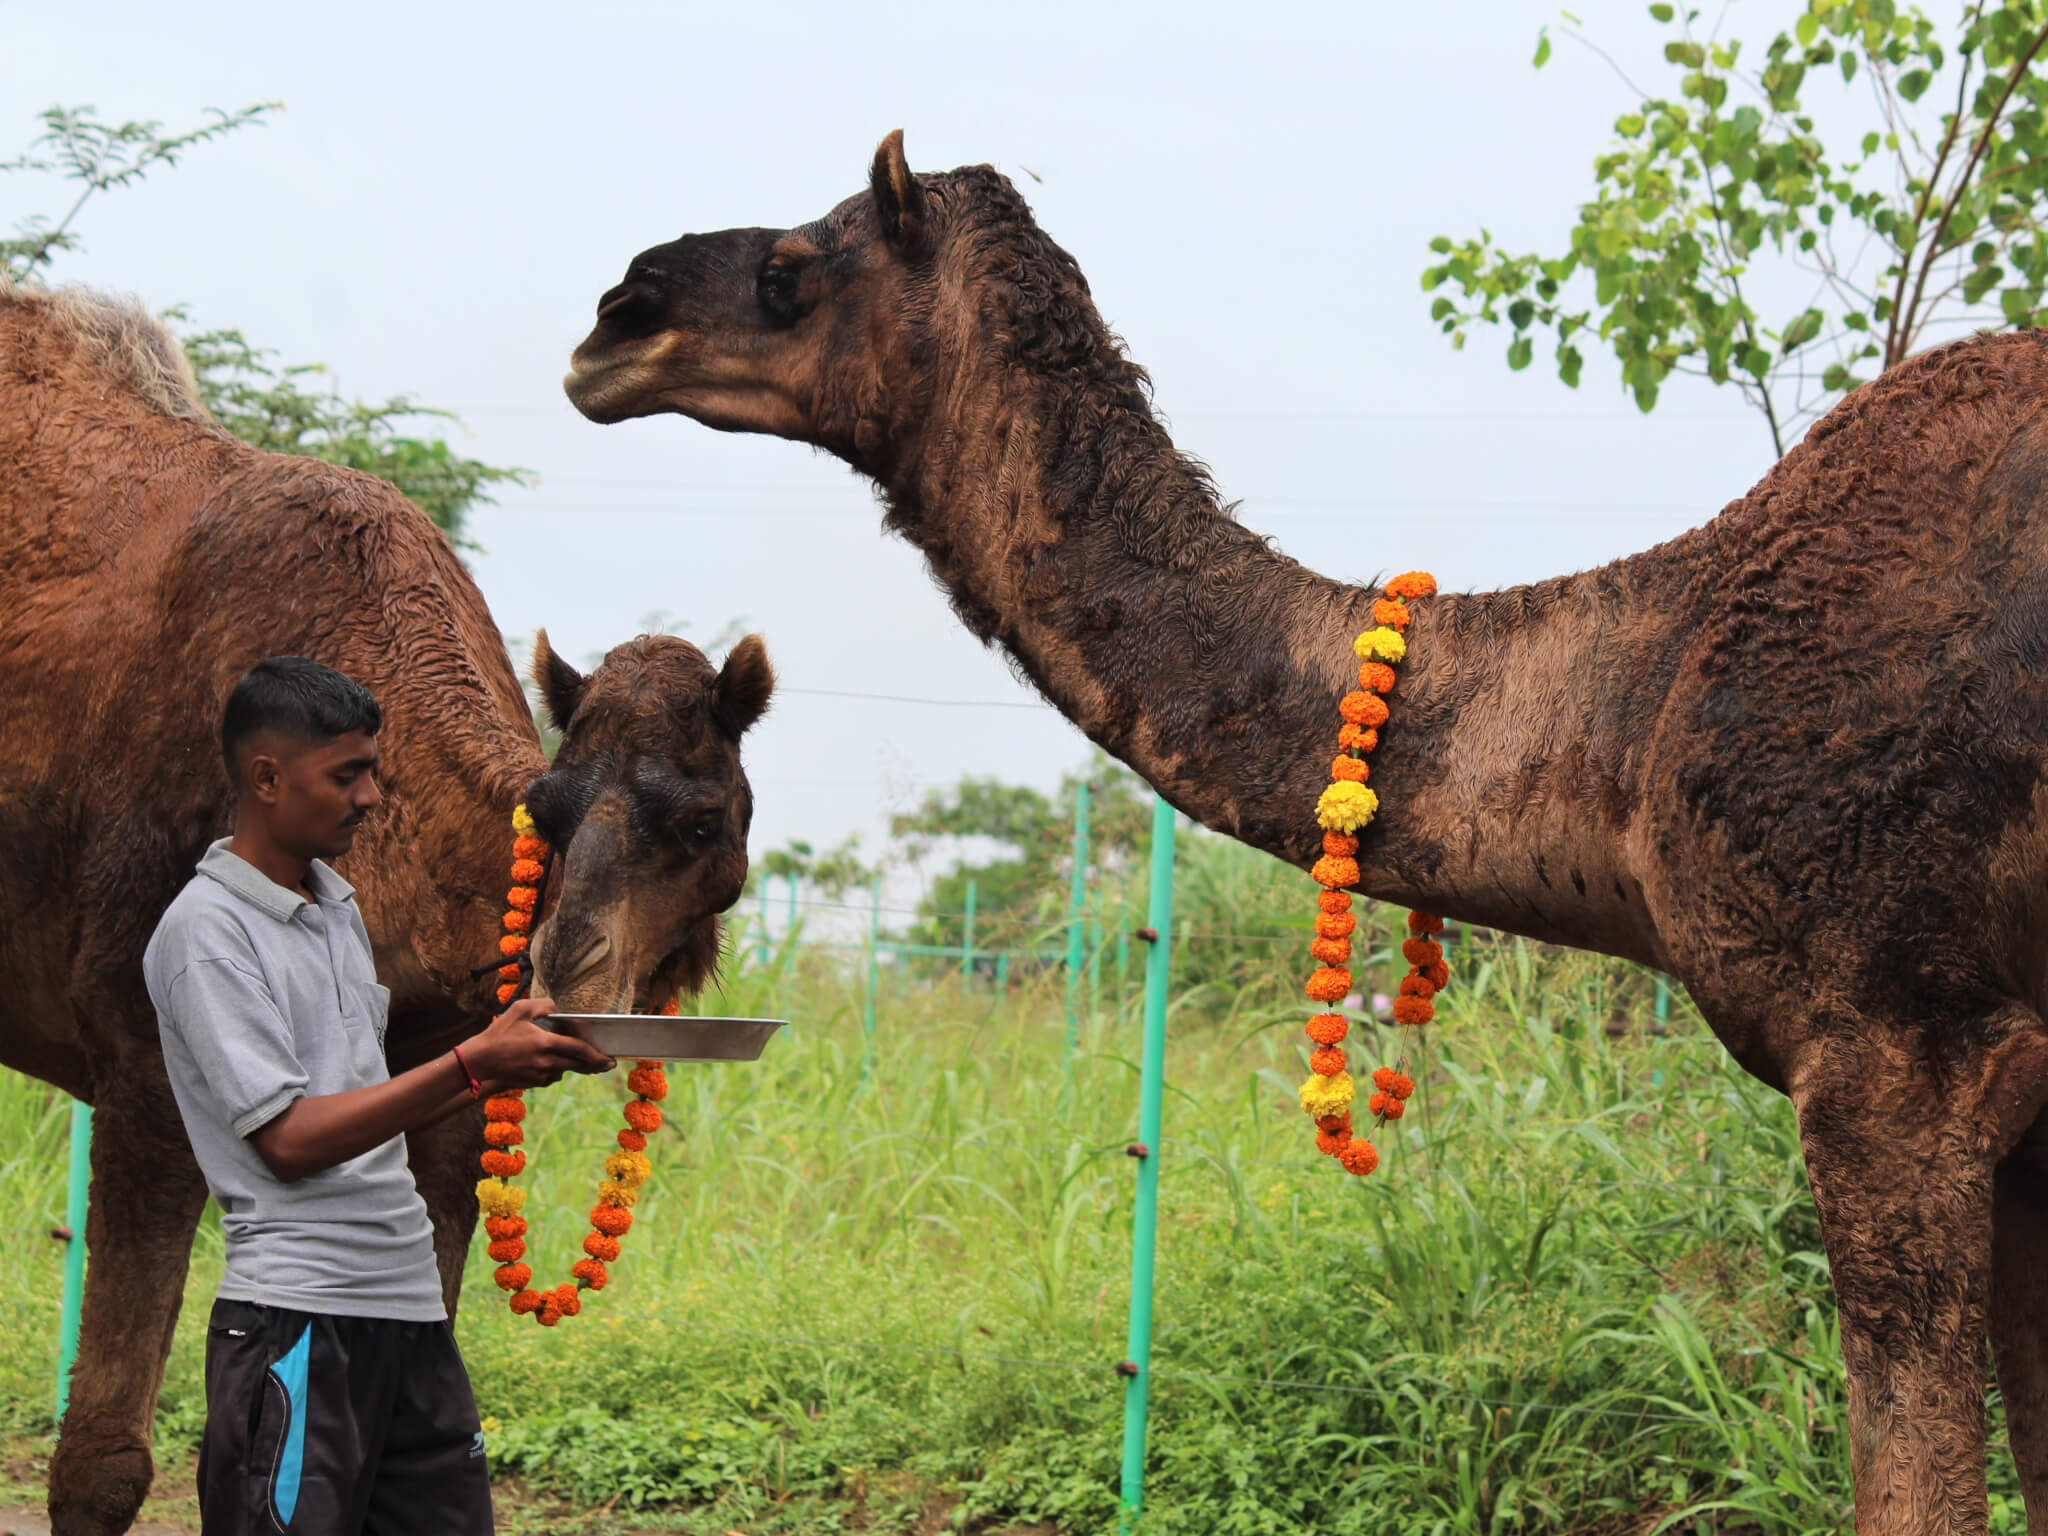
x=1663, y=1010
x=867, y=1018
x=1077, y=898
x=761, y=944
x=967, y=939
x=1137, y=1366
x=1003, y=972
x=74, y=1252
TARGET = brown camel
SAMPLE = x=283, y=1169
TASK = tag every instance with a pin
x=1794, y=757
x=146, y=560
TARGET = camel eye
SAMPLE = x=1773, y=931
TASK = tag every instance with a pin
x=778, y=285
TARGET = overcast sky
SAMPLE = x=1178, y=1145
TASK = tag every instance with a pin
x=1250, y=190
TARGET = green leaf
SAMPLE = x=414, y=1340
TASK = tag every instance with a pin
x=1662, y=12
x=1519, y=354
x=1801, y=331
x=1755, y=361
x=1542, y=48
x=1914, y=82
x=1806, y=29
x=1568, y=364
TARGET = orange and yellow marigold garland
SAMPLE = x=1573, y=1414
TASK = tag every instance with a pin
x=1343, y=811
x=625, y=1170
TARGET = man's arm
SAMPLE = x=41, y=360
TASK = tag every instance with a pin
x=314, y=1134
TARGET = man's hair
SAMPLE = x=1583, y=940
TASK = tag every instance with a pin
x=294, y=697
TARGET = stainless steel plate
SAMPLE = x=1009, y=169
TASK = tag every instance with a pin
x=658, y=1037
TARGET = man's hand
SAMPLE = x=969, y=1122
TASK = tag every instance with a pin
x=515, y=1052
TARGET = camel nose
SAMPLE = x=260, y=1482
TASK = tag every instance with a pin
x=632, y=310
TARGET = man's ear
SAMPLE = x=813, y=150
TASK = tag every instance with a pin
x=744, y=686
x=261, y=774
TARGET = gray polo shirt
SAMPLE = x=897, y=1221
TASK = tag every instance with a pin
x=261, y=997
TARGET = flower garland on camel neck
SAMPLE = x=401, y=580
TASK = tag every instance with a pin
x=1343, y=811
x=626, y=1169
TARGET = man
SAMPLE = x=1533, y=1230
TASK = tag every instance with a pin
x=336, y=1401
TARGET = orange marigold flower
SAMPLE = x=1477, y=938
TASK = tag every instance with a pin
x=1358, y=1156
x=1438, y=975
x=497, y=1227
x=1326, y=1062
x=1377, y=676
x=1383, y=1078
x=643, y=1116
x=1425, y=922
x=1377, y=1104
x=1330, y=951
x=1330, y=1143
x=505, y=1250
x=1413, y=1012
x=525, y=1302
x=503, y=1165
x=511, y=972
x=521, y=898
x=1394, y=1109
x=1335, y=925
x=505, y=1106
x=647, y=1080
x=526, y=872
x=1421, y=952
x=1327, y=985
x=1363, y=709
x=1412, y=584
x=1340, y=845
x=1327, y=1028
x=512, y=944
x=1390, y=611
x=1415, y=984
x=529, y=848
x=612, y=1220
x=1351, y=769
x=518, y=922
x=632, y=1141
x=507, y=990
x=512, y=1277
x=1336, y=1125
x=549, y=1314
x=1333, y=901
x=503, y=1133
x=1356, y=739
x=601, y=1245
x=1401, y=1086
x=1334, y=872
x=567, y=1299
x=592, y=1273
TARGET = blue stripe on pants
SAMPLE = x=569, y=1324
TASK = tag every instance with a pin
x=290, y=1374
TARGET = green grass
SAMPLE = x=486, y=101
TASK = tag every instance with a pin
x=1584, y=1292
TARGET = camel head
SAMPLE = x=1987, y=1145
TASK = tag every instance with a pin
x=832, y=333
x=647, y=808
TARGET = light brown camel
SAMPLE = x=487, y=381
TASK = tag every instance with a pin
x=1794, y=757
x=146, y=560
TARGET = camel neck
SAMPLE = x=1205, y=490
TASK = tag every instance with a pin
x=1071, y=532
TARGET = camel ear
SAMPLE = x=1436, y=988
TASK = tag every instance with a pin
x=744, y=685
x=561, y=685
x=898, y=199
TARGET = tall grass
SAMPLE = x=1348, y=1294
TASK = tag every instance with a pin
x=1584, y=1293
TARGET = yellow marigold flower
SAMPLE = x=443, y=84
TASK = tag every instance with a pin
x=612, y=1192
x=1346, y=806
x=1322, y=1096
x=629, y=1168
x=522, y=824
x=496, y=1198
x=1380, y=643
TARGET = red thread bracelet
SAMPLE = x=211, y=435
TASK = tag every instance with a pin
x=476, y=1089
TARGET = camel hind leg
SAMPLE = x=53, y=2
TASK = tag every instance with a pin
x=147, y=1194
x=2019, y=1319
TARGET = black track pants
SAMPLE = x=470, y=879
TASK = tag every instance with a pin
x=338, y=1426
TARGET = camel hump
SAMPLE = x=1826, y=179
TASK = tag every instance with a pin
x=114, y=335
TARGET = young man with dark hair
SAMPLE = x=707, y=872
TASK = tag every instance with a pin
x=335, y=1399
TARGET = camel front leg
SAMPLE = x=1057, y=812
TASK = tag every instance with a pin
x=147, y=1194
x=1905, y=1212
x=445, y=1170
x=2019, y=1319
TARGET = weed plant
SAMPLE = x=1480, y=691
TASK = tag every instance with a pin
x=1584, y=1293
